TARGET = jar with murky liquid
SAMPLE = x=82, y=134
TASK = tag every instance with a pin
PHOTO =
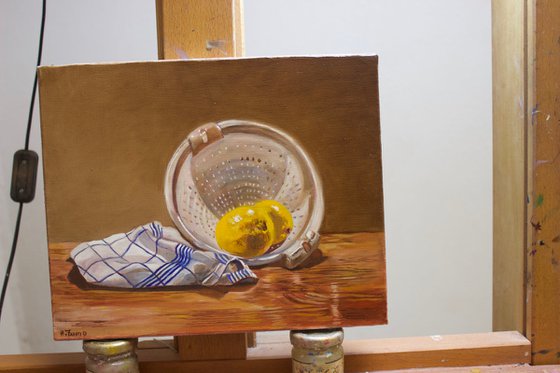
x=111, y=356
x=317, y=351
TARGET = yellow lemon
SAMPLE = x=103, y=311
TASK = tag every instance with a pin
x=245, y=231
x=250, y=231
x=281, y=217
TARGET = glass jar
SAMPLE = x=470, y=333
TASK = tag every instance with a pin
x=111, y=356
x=317, y=351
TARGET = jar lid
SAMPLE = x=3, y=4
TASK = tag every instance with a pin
x=110, y=347
x=317, y=339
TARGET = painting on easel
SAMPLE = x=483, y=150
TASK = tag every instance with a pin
x=214, y=196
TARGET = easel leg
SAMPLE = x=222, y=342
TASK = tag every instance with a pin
x=111, y=356
x=189, y=28
x=318, y=351
x=212, y=347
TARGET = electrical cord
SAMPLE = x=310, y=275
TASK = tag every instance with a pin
x=27, y=136
x=39, y=55
x=11, y=260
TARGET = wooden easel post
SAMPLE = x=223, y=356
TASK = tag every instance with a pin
x=526, y=162
x=199, y=29
x=203, y=29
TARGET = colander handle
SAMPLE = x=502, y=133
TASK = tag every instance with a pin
x=204, y=136
x=297, y=254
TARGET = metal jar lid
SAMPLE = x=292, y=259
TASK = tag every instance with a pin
x=110, y=347
x=316, y=339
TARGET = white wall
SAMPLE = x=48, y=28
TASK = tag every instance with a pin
x=76, y=31
x=435, y=97
x=435, y=90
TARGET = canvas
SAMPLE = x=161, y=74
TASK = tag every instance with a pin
x=213, y=196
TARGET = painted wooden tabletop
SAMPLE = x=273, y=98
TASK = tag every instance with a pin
x=354, y=295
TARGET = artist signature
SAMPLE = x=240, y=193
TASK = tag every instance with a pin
x=73, y=333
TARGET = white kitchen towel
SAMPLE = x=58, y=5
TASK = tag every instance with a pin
x=154, y=256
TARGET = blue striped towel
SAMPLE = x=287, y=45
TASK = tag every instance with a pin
x=153, y=256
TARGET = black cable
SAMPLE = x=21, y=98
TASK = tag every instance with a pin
x=27, y=135
x=11, y=260
x=40, y=53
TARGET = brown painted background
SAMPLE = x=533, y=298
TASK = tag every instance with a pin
x=110, y=129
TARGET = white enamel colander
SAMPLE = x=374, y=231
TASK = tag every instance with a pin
x=233, y=163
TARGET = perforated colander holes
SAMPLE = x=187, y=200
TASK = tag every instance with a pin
x=191, y=206
x=223, y=200
x=208, y=227
x=206, y=185
x=254, y=159
x=293, y=193
x=205, y=221
x=292, y=176
x=187, y=197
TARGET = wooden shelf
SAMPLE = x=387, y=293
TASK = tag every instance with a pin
x=467, y=350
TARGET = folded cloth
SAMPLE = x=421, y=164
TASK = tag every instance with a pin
x=154, y=256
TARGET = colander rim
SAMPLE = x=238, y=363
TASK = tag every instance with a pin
x=232, y=126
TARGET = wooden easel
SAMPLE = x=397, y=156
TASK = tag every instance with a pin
x=203, y=29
